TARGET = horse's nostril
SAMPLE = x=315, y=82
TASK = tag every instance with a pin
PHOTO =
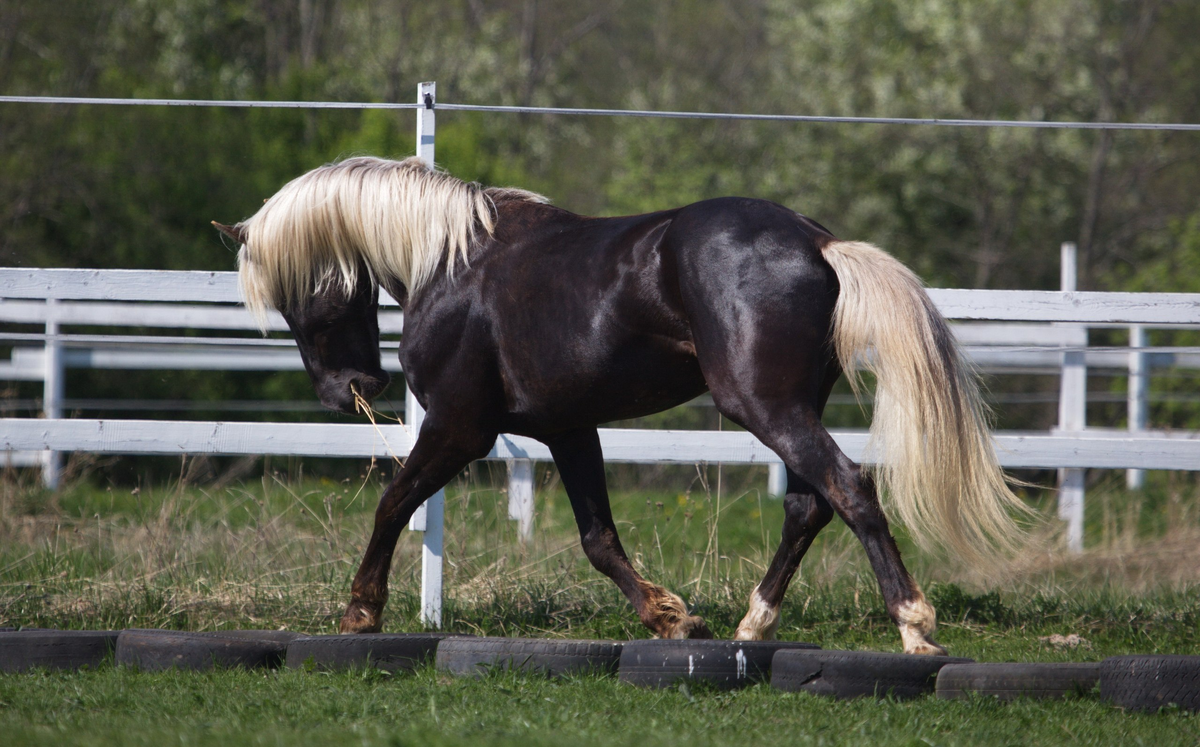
x=369, y=387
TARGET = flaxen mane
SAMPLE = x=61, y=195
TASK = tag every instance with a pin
x=398, y=218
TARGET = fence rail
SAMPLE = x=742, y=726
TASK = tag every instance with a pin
x=1091, y=449
x=1079, y=307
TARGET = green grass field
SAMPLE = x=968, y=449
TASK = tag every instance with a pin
x=280, y=552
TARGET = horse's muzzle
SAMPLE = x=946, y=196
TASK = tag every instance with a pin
x=340, y=393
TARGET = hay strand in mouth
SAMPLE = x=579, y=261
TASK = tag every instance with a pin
x=362, y=405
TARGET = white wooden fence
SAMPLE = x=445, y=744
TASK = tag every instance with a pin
x=1051, y=332
x=63, y=295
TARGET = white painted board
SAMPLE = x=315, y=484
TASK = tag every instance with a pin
x=1106, y=451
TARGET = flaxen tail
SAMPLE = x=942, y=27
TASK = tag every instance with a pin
x=936, y=460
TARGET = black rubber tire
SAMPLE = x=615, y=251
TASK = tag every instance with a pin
x=21, y=650
x=724, y=664
x=157, y=650
x=394, y=652
x=1009, y=681
x=856, y=674
x=1147, y=683
x=473, y=657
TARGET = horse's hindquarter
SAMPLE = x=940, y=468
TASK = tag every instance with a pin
x=758, y=295
x=587, y=322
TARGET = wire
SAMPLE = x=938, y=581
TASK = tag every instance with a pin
x=812, y=118
x=227, y=103
x=576, y=111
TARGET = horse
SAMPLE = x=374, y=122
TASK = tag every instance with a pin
x=525, y=318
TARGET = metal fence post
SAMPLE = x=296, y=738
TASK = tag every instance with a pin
x=1072, y=418
x=430, y=517
x=520, y=496
x=52, y=391
x=1139, y=395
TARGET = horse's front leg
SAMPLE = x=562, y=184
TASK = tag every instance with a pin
x=581, y=466
x=436, y=458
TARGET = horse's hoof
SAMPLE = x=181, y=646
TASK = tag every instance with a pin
x=690, y=627
x=361, y=617
x=746, y=633
x=918, y=621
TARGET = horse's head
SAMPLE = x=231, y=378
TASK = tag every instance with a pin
x=335, y=324
x=338, y=337
x=316, y=250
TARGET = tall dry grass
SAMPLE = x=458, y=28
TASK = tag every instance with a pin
x=274, y=552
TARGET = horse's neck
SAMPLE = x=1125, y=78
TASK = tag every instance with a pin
x=514, y=217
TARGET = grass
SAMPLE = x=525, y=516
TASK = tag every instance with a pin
x=279, y=552
x=113, y=706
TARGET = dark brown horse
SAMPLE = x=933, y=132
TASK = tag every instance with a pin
x=524, y=318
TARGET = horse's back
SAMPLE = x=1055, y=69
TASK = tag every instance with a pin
x=732, y=245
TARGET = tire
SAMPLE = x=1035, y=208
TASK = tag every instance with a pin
x=724, y=664
x=856, y=674
x=1009, y=681
x=398, y=652
x=1147, y=683
x=157, y=650
x=22, y=650
x=473, y=657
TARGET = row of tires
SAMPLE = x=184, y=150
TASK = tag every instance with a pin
x=1132, y=682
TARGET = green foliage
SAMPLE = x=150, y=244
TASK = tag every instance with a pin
x=129, y=188
x=1176, y=270
x=956, y=605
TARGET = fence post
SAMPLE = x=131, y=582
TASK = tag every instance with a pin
x=1072, y=418
x=777, y=480
x=1139, y=395
x=520, y=496
x=52, y=392
x=430, y=517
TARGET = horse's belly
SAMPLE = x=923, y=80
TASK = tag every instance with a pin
x=601, y=392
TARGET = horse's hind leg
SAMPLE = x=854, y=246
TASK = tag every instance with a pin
x=772, y=377
x=852, y=493
x=581, y=467
x=811, y=453
x=805, y=513
x=815, y=461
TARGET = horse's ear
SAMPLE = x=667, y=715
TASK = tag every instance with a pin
x=237, y=233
